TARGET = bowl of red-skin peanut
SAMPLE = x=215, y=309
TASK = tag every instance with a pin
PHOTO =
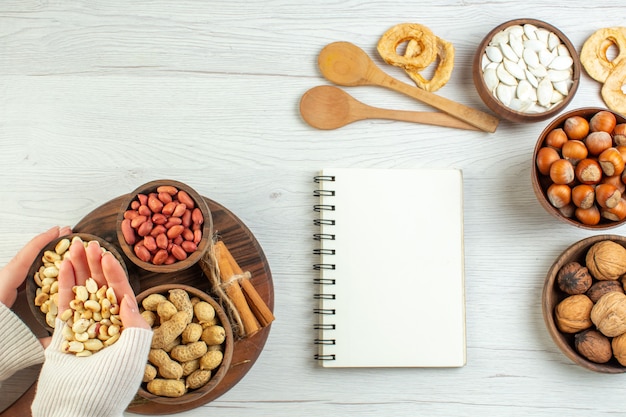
x=164, y=226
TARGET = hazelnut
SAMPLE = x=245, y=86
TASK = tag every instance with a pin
x=556, y=138
x=616, y=213
x=599, y=288
x=607, y=195
x=589, y=217
x=619, y=134
x=573, y=313
x=573, y=278
x=606, y=260
x=583, y=196
x=609, y=313
x=594, y=346
x=574, y=151
x=559, y=195
x=576, y=127
x=588, y=171
x=611, y=161
x=603, y=120
x=618, y=344
x=545, y=157
x=562, y=171
x=597, y=142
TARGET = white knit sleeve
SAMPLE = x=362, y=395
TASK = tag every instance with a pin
x=100, y=385
x=19, y=347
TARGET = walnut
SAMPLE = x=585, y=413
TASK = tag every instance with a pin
x=594, y=346
x=572, y=314
x=606, y=260
x=609, y=314
x=619, y=348
x=573, y=278
x=599, y=288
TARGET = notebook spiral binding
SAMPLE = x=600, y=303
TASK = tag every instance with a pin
x=319, y=281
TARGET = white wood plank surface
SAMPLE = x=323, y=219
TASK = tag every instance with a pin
x=96, y=99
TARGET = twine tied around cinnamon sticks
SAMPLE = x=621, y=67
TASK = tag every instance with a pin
x=248, y=311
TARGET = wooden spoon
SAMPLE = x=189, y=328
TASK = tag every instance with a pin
x=346, y=64
x=327, y=107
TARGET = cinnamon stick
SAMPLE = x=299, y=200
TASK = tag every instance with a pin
x=234, y=292
x=258, y=306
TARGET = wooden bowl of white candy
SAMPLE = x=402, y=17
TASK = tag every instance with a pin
x=526, y=70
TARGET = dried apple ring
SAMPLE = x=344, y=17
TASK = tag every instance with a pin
x=443, y=72
x=593, y=53
x=426, y=44
x=612, y=92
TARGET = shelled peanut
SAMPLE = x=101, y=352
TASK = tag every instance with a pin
x=93, y=320
x=583, y=164
x=46, y=279
x=187, y=344
x=164, y=226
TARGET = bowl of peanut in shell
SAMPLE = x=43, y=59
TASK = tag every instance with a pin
x=192, y=344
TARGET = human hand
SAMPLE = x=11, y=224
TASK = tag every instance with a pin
x=14, y=273
x=104, y=383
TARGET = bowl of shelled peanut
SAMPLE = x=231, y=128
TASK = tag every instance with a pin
x=192, y=344
x=164, y=226
x=578, y=171
x=42, y=280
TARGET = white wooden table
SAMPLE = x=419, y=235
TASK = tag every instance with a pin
x=99, y=97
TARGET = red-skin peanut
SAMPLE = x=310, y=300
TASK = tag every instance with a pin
x=159, y=218
x=184, y=198
x=197, y=236
x=196, y=216
x=143, y=199
x=187, y=234
x=145, y=228
x=189, y=246
x=196, y=226
x=142, y=253
x=162, y=241
x=178, y=240
x=131, y=214
x=170, y=260
x=165, y=197
x=186, y=218
x=169, y=189
x=160, y=257
x=138, y=221
x=168, y=209
x=173, y=221
x=157, y=230
x=179, y=253
x=179, y=210
x=135, y=204
x=149, y=243
x=128, y=232
x=144, y=210
x=175, y=231
x=155, y=204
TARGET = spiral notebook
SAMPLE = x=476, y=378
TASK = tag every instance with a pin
x=391, y=268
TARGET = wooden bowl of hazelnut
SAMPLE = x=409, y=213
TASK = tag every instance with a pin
x=584, y=305
x=578, y=171
x=188, y=360
x=526, y=70
x=164, y=226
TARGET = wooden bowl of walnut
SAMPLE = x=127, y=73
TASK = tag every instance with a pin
x=198, y=357
x=584, y=305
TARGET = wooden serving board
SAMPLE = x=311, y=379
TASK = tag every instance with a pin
x=248, y=253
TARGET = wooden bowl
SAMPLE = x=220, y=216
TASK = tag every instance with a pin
x=552, y=295
x=494, y=103
x=177, y=265
x=541, y=182
x=32, y=286
x=228, y=346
